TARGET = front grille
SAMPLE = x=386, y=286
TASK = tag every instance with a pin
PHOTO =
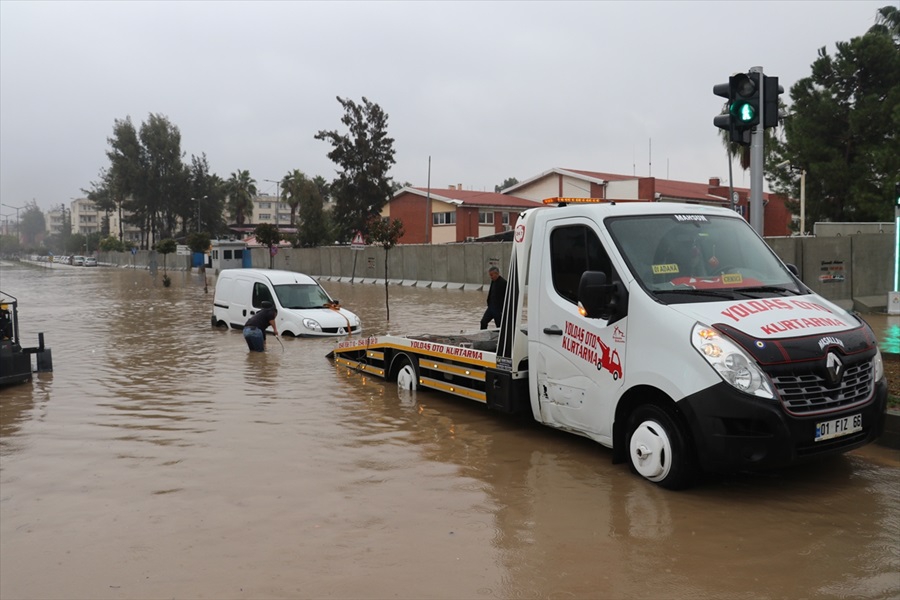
x=336, y=330
x=808, y=394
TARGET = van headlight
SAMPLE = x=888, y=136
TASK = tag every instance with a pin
x=730, y=361
x=312, y=324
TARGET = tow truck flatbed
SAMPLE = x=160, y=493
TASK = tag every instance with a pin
x=452, y=363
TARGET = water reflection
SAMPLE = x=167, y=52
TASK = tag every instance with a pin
x=887, y=330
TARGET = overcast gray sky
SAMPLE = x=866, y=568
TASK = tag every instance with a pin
x=488, y=90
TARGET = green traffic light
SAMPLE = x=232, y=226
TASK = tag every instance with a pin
x=743, y=112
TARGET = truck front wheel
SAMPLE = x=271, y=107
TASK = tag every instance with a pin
x=658, y=449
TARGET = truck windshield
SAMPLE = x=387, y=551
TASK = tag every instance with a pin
x=687, y=253
x=301, y=295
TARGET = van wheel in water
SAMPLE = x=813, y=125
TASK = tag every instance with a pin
x=407, y=377
x=658, y=448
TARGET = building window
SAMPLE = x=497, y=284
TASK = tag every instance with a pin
x=506, y=218
x=264, y=216
x=443, y=218
x=485, y=218
x=266, y=205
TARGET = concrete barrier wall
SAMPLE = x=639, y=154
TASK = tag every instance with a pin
x=827, y=268
x=853, y=271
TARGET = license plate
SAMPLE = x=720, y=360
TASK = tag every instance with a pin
x=827, y=430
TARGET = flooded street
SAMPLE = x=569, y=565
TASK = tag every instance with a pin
x=161, y=459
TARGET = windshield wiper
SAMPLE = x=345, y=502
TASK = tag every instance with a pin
x=768, y=289
x=699, y=292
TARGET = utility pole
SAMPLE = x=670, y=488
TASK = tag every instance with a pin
x=756, y=159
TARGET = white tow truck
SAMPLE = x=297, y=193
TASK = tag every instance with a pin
x=668, y=332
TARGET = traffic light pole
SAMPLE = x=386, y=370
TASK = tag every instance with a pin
x=756, y=162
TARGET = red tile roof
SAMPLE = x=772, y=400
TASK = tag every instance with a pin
x=471, y=197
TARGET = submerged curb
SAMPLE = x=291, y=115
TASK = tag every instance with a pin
x=891, y=435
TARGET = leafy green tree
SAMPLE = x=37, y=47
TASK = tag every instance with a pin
x=844, y=130
x=314, y=228
x=124, y=178
x=112, y=244
x=208, y=197
x=508, y=182
x=365, y=155
x=269, y=236
x=76, y=243
x=9, y=245
x=92, y=242
x=241, y=189
x=99, y=193
x=32, y=223
x=396, y=186
x=164, y=247
x=385, y=233
x=166, y=184
x=198, y=241
x=146, y=177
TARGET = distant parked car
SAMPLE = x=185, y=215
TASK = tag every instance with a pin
x=90, y=261
x=78, y=261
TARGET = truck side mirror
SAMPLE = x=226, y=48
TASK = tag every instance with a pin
x=596, y=297
x=793, y=269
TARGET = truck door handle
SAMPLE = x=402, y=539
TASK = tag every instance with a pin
x=553, y=330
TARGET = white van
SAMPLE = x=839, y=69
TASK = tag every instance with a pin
x=304, y=308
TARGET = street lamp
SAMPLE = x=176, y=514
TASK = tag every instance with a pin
x=787, y=163
x=198, y=200
x=277, y=199
x=17, y=209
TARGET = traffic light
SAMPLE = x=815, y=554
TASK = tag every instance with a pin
x=771, y=91
x=745, y=102
x=742, y=91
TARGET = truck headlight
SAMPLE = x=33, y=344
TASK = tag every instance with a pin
x=312, y=324
x=730, y=361
x=879, y=365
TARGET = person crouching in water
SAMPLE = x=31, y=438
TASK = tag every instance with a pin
x=255, y=328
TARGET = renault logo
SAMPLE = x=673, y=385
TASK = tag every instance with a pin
x=834, y=368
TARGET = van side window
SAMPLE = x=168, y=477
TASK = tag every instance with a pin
x=575, y=249
x=261, y=293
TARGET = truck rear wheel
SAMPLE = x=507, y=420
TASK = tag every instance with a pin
x=658, y=448
x=407, y=375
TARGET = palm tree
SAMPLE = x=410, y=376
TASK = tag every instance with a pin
x=241, y=192
x=292, y=186
x=887, y=22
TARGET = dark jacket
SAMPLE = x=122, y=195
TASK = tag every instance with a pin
x=262, y=318
x=496, y=293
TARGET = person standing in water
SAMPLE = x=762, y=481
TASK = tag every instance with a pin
x=255, y=327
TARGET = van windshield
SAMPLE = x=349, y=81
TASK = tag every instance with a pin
x=698, y=254
x=301, y=295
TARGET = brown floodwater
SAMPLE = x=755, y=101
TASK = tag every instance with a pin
x=161, y=459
